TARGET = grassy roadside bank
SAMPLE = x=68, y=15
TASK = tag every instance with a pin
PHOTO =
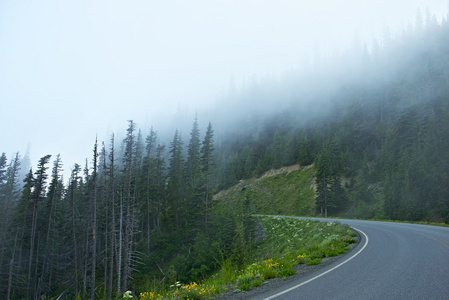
x=282, y=244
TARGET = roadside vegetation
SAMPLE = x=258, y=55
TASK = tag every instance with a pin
x=175, y=216
x=286, y=242
x=284, y=191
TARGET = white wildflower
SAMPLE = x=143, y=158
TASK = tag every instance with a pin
x=127, y=295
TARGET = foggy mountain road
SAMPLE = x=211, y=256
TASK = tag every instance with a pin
x=393, y=261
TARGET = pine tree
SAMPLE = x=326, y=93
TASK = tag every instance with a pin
x=174, y=183
x=9, y=194
x=192, y=166
x=129, y=220
x=20, y=225
x=192, y=207
x=160, y=181
x=149, y=184
x=103, y=216
x=51, y=207
x=207, y=171
x=112, y=205
x=93, y=199
x=72, y=194
x=38, y=195
x=12, y=177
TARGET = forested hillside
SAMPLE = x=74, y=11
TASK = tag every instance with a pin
x=380, y=140
x=140, y=212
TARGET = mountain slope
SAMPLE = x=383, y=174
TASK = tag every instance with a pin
x=383, y=128
x=287, y=191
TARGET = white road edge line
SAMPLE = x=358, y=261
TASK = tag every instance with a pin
x=322, y=274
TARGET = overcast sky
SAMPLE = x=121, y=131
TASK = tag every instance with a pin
x=72, y=69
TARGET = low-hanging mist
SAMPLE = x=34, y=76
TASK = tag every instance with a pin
x=370, y=123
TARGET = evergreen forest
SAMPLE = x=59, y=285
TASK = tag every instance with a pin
x=140, y=212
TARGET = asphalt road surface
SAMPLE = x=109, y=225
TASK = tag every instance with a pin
x=392, y=261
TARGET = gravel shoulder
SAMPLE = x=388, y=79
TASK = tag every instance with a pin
x=301, y=271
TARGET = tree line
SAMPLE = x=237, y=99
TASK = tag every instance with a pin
x=88, y=237
x=140, y=212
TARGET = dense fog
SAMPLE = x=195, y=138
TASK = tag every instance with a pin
x=136, y=140
x=72, y=71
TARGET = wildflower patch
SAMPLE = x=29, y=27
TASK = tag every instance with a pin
x=287, y=242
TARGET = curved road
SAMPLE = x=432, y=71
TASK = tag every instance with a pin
x=392, y=261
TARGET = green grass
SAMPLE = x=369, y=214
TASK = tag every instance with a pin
x=287, y=242
x=285, y=193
